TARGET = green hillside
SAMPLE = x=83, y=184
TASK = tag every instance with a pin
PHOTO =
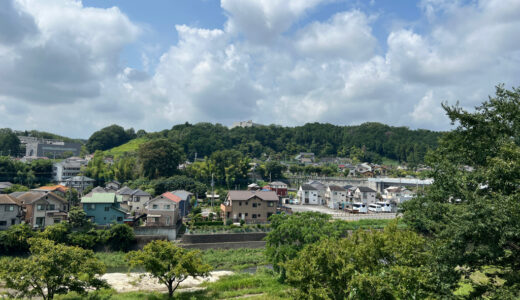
x=131, y=146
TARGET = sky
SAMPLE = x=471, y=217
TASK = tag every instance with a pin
x=73, y=67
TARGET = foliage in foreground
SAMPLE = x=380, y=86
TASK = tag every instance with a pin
x=472, y=208
x=170, y=264
x=52, y=269
x=393, y=264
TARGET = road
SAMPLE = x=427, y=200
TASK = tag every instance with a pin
x=338, y=214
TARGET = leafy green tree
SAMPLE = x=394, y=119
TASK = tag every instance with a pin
x=9, y=143
x=57, y=233
x=16, y=188
x=273, y=170
x=109, y=137
x=472, y=206
x=170, y=264
x=14, y=239
x=52, y=269
x=78, y=218
x=159, y=158
x=121, y=237
x=393, y=264
x=291, y=233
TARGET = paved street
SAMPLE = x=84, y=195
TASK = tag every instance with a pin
x=338, y=214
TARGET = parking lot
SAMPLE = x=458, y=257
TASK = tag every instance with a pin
x=339, y=214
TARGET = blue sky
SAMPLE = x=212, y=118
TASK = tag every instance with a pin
x=72, y=67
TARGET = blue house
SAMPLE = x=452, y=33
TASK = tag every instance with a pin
x=104, y=208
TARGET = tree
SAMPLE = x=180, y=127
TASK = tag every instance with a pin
x=14, y=239
x=393, y=264
x=109, y=137
x=78, y=218
x=170, y=264
x=52, y=269
x=472, y=206
x=291, y=233
x=121, y=237
x=159, y=158
x=9, y=143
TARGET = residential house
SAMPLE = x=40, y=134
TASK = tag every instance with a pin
x=104, y=208
x=350, y=192
x=250, y=206
x=97, y=189
x=43, y=209
x=279, y=187
x=321, y=188
x=307, y=194
x=63, y=170
x=4, y=185
x=305, y=157
x=364, y=169
x=397, y=194
x=184, y=205
x=253, y=187
x=365, y=195
x=11, y=212
x=113, y=185
x=162, y=211
x=80, y=183
x=335, y=196
x=57, y=189
x=133, y=200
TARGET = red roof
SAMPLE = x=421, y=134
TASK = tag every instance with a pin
x=172, y=197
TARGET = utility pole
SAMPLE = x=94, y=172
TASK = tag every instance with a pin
x=212, y=190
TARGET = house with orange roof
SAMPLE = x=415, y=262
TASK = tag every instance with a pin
x=58, y=189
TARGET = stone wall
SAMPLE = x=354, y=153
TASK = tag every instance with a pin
x=231, y=245
x=222, y=237
x=168, y=231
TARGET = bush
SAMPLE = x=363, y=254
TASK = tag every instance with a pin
x=57, y=233
x=229, y=222
x=85, y=240
x=242, y=222
x=208, y=223
x=14, y=239
x=120, y=237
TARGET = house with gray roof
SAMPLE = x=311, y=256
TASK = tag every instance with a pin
x=4, y=185
x=308, y=194
x=11, y=212
x=365, y=195
x=250, y=206
x=133, y=200
x=43, y=209
x=80, y=183
x=335, y=196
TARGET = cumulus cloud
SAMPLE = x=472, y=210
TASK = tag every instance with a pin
x=256, y=67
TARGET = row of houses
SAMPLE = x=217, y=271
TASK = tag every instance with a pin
x=48, y=205
x=333, y=196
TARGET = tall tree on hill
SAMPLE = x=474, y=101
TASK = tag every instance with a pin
x=109, y=137
x=159, y=158
x=9, y=143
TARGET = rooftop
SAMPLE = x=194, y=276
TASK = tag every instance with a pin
x=102, y=198
x=245, y=195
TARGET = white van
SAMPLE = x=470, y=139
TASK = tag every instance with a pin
x=374, y=207
x=385, y=206
x=358, y=207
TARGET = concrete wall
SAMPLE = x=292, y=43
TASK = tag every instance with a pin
x=142, y=240
x=232, y=245
x=222, y=238
x=166, y=231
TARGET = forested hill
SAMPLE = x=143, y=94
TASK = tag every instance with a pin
x=368, y=141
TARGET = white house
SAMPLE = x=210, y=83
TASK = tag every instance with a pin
x=397, y=194
x=365, y=195
x=321, y=188
x=307, y=194
x=335, y=195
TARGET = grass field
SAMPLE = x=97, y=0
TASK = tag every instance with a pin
x=218, y=259
x=131, y=146
x=262, y=285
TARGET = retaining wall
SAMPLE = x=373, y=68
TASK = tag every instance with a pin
x=169, y=232
x=222, y=237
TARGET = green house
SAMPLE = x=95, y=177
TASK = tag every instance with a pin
x=103, y=208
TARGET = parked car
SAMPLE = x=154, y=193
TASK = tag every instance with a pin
x=358, y=207
x=385, y=206
x=374, y=207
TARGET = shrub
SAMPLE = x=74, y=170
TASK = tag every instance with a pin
x=229, y=222
x=120, y=237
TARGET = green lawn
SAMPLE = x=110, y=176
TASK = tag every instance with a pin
x=131, y=146
x=219, y=259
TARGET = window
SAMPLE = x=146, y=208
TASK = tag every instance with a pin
x=155, y=206
x=107, y=208
x=270, y=204
x=120, y=219
x=240, y=203
x=254, y=205
x=50, y=207
x=56, y=221
x=13, y=221
x=259, y=215
x=247, y=202
x=92, y=207
x=40, y=207
x=254, y=216
x=167, y=206
x=246, y=214
x=9, y=208
x=3, y=223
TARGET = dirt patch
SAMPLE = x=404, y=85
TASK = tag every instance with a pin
x=130, y=282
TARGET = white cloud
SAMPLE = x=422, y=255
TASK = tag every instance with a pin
x=329, y=71
x=347, y=35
